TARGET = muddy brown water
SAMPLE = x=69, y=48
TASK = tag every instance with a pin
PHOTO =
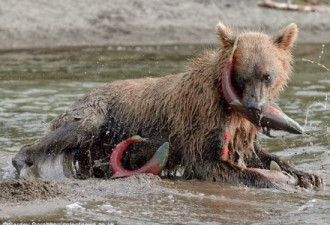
x=36, y=85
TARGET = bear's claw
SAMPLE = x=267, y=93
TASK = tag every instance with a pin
x=307, y=180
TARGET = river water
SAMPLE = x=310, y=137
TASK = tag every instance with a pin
x=37, y=85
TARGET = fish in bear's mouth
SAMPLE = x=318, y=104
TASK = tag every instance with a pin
x=270, y=116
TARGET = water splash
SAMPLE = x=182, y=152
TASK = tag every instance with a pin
x=318, y=63
x=313, y=106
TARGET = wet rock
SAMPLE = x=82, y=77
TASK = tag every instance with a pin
x=274, y=166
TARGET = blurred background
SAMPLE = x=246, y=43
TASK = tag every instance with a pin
x=42, y=23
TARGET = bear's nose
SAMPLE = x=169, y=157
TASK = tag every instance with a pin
x=254, y=106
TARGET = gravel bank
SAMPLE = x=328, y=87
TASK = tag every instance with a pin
x=42, y=23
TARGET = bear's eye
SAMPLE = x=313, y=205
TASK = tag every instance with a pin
x=267, y=77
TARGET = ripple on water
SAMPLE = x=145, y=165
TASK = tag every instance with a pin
x=36, y=86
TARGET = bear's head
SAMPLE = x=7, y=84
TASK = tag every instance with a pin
x=261, y=63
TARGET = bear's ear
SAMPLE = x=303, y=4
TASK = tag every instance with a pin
x=225, y=34
x=287, y=37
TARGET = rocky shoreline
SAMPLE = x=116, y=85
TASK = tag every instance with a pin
x=48, y=24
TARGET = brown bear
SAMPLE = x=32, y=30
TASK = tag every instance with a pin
x=188, y=110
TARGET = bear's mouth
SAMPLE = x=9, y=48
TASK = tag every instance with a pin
x=270, y=117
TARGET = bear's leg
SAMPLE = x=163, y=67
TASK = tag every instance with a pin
x=23, y=158
x=225, y=171
x=305, y=180
x=52, y=155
